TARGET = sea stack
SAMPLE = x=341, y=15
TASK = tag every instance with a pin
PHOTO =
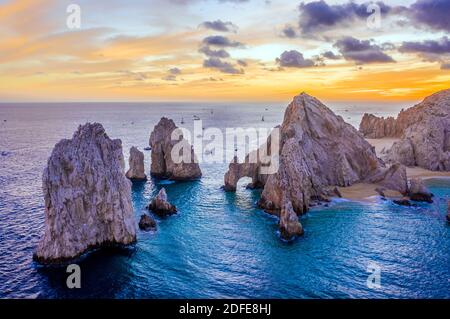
x=318, y=151
x=136, y=171
x=161, y=206
x=87, y=197
x=423, y=131
x=162, y=144
x=289, y=225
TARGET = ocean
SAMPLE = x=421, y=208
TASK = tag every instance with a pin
x=219, y=245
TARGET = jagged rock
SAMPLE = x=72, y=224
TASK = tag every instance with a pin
x=402, y=202
x=161, y=206
x=163, y=165
x=394, y=178
x=147, y=223
x=318, y=150
x=378, y=127
x=289, y=225
x=424, y=131
x=87, y=196
x=418, y=191
x=136, y=162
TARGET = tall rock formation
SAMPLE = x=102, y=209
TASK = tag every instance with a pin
x=318, y=151
x=424, y=132
x=136, y=172
x=163, y=165
x=87, y=196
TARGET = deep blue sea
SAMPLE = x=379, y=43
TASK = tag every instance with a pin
x=219, y=245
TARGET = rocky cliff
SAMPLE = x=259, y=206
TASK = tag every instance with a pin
x=318, y=151
x=87, y=196
x=163, y=164
x=424, y=132
x=136, y=171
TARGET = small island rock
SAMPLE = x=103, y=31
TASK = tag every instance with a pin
x=136, y=162
x=161, y=206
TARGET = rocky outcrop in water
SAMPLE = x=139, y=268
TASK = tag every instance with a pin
x=289, y=225
x=160, y=205
x=87, y=196
x=163, y=164
x=318, y=151
x=418, y=191
x=147, y=223
x=424, y=131
x=136, y=171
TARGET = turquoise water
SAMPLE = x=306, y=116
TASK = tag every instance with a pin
x=219, y=244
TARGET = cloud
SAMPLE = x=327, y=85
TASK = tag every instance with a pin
x=221, y=53
x=224, y=67
x=331, y=55
x=221, y=41
x=430, y=50
x=220, y=25
x=441, y=46
x=361, y=51
x=318, y=15
x=294, y=59
x=242, y=63
x=289, y=32
x=175, y=71
x=445, y=66
x=172, y=74
x=432, y=13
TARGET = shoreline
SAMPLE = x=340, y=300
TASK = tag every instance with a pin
x=364, y=191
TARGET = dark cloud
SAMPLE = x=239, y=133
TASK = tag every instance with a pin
x=318, y=15
x=289, y=32
x=331, y=55
x=441, y=46
x=294, y=59
x=361, y=51
x=225, y=67
x=219, y=25
x=432, y=13
x=242, y=63
x=221, y=41
x=221, y=53
x=175, y=71
x=430, y=50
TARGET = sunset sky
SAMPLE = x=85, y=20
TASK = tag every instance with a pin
x=240, y=50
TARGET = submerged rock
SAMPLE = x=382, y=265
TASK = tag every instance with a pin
x=424, y=132
x=147, y=223
x=87, y=196
x=163, y=165
x=289, y=225
x=418, y=191
x=136, y=162
x=161, y=206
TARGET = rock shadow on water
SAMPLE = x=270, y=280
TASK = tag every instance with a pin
x=104, y=272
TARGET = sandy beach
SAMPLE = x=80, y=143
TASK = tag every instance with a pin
x=366, y=192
